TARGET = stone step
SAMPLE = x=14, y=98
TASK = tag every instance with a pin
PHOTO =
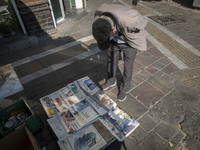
x=55, y=58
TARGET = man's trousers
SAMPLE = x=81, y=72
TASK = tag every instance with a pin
x=114, y=53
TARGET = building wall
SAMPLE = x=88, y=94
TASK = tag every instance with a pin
x=36, y=16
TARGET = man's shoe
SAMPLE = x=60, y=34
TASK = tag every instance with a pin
x=121, y=96
x=107, y=85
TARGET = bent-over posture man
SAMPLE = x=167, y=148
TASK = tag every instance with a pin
x=119, y=28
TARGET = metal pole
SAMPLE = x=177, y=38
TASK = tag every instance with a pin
x=19, y=17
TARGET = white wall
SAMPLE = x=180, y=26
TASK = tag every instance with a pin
x=79, y=4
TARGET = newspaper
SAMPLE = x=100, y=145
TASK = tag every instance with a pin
x=68, y=121
x=49, y=106
x=84, y=113
x=57, y=127
x=119, y=123
x=87, y=85
x=104, y=100
x=68, y=96
x=93, y=91
x=76, y=91
x=58, y=101
x=73, y=119
x=81, y=103
x=99, y=109
x=87, y=138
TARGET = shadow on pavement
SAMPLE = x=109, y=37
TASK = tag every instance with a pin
x=185, y=3
x=116, y=146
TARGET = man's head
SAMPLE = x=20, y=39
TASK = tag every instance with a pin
x=101, y=30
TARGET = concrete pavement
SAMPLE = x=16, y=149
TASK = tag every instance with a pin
x=164, y=96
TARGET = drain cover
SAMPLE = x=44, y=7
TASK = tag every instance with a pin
x=166, y=19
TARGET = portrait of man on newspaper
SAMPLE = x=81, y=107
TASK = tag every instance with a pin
x=85, y=142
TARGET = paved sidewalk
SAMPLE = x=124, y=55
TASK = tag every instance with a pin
x=164, y=95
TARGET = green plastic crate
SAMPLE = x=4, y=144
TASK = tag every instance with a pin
x=31, y=122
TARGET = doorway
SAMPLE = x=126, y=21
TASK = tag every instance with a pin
x=58, y=10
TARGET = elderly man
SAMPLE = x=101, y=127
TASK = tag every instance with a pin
x=117, y=29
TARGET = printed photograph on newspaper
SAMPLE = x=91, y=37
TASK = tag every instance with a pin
x=106, y=101
x=88, y=85
x=58, y=101
x=68, y=96
x=76, y=91
x=87, y=138
x=84, y=113
x=69, y=122
x=99, y=109
x=49, y=106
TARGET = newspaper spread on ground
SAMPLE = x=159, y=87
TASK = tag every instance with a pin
x=93, y=91
x=105, y=100
x=49, y=106
x=119, y=123
x=68, y=96
x=58, y=101
x=84, y=113
x=68, y=121
x=57, y=127
x=81, y=103
x=87, y=85
x=99, y=109
x=62, y=99
x=74, y=118
x=76, y=90
x=87, y=138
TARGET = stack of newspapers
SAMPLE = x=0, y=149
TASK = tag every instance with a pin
x=73, y=109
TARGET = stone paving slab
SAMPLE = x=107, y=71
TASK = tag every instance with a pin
x=166, y=131
x=132, y=106
x=152, y=141
x=189, y=77
x=170, y=69
x=147, y=94
x=158, y=65
x=147, y=123
x=155, y=52
x=145, y=59
x=144, y=75
x=162, y=81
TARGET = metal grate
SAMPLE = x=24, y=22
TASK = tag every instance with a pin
x=166, y=19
